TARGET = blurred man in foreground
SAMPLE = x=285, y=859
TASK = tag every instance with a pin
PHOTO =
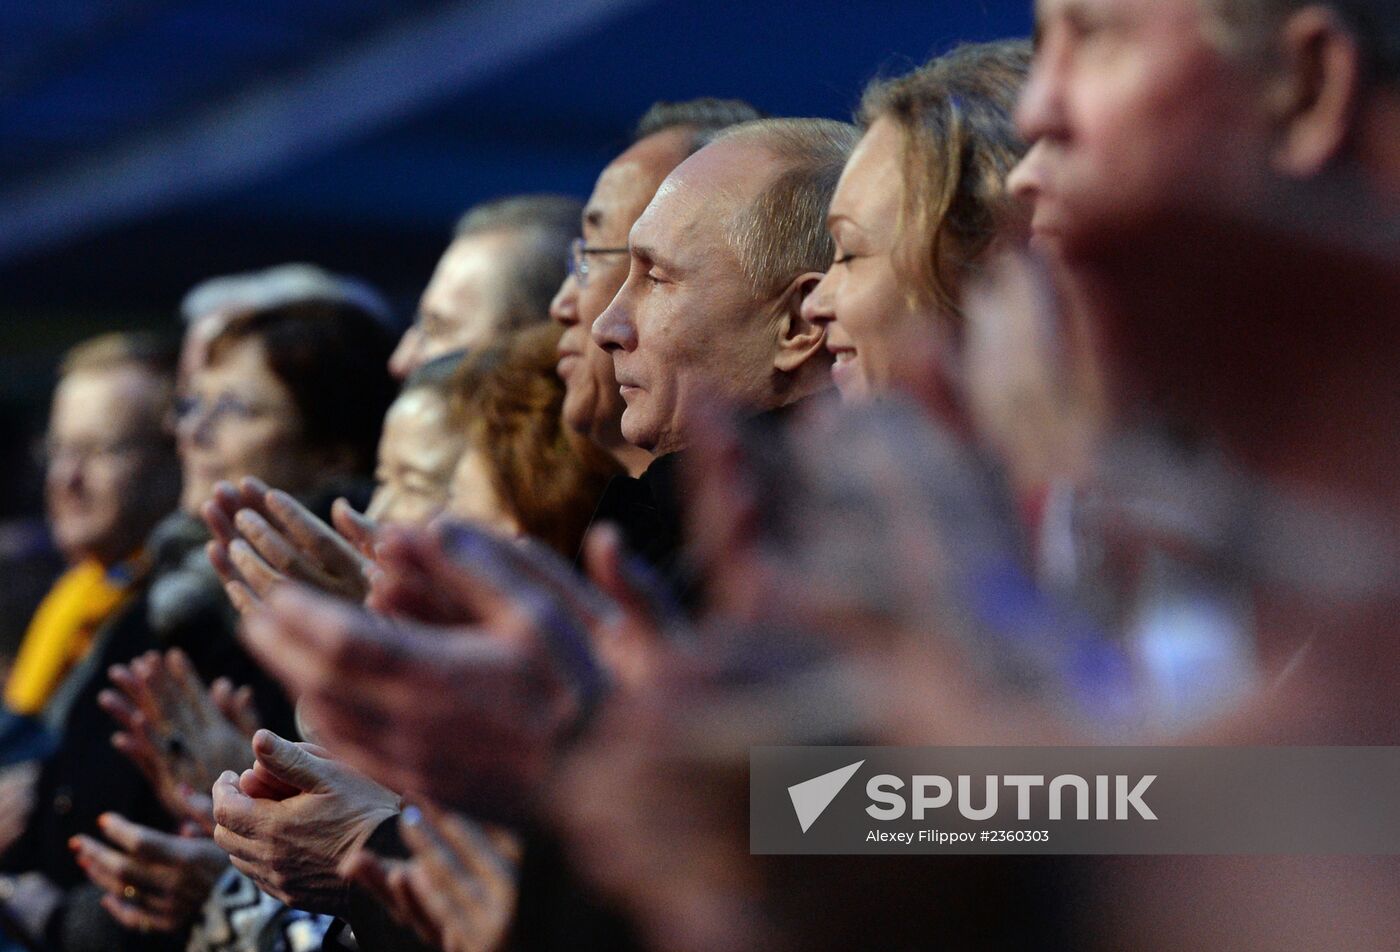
x=1217, y=185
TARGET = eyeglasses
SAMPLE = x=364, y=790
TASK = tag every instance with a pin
x=49, y=452
x=226, y=406
x=578, y=259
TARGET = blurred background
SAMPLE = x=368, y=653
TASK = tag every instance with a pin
x=148, y=144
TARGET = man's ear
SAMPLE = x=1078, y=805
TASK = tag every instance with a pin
x=798, y=338
x=1319, y=86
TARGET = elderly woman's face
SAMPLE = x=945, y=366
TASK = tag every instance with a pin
x=417, y=454
x=863, y=300
x=238, y=419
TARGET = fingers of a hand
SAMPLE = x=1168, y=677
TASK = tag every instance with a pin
x=313, y=538
x=411, y=583
x=355, y=527
x=217, y=551
x=260, y=577
x=197, y=809
x=180, y=670
x=114, y=871
x=129, y=681
x=138, y=841
x=120, y=710
x=262, y=784
x=493, y=569
x=219, y=521
x=316, y=643
x=271, y=545
x=480, y=852
x=134, y=917
x=235, y=704
x=510, y=567
x=234, y=811
x=243, y=711
x=463, y=853
x=412, y=901
x=641, y=597
x=243, y=598
x=288, y=762
x=137, y=747
x=369, y=871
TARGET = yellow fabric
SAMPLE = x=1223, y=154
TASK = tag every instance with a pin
x=61, y=632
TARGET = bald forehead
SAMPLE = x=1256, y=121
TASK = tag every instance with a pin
x=715, y=182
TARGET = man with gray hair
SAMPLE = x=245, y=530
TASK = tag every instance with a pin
x=1217, y=185
x=721, y=261
x=506, y=260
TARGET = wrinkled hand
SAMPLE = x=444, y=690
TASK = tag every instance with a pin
x=289, y=821
x=263, y=537
x=458, y=890
x=17, y=792
x=181, y=735
x=153, y=880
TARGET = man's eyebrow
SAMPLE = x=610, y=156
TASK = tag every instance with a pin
x=650, y=253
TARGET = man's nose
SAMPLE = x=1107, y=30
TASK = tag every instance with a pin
x=1040, y=112
x=614, y=330
x=563, y=310
x=404, y=360
x=1023, y=183
x=65, y=472
x=193, y=425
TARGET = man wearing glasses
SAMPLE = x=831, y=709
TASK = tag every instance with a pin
x=666, y=135
x=111, y=476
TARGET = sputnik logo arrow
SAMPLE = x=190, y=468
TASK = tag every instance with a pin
x=810, y=798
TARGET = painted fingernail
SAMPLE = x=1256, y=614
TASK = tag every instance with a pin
x=412, y=816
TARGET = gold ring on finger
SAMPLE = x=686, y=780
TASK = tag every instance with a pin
x=130, y=892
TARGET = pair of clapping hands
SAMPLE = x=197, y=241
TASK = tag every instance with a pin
x=443, y=662
x=456, y=890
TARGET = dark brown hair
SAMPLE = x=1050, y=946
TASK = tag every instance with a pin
x=332, y=356
x=510, y=400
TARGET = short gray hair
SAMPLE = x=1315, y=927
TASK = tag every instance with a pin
x=705, y=117
x=545, y=225
x=782, y=233
x=285, y=284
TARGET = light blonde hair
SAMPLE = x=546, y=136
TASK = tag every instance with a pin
x=955, y=115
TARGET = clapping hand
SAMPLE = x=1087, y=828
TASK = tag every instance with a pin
x=458, y=889
x=153, y=880
x=263, y=537
x=181, y=735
